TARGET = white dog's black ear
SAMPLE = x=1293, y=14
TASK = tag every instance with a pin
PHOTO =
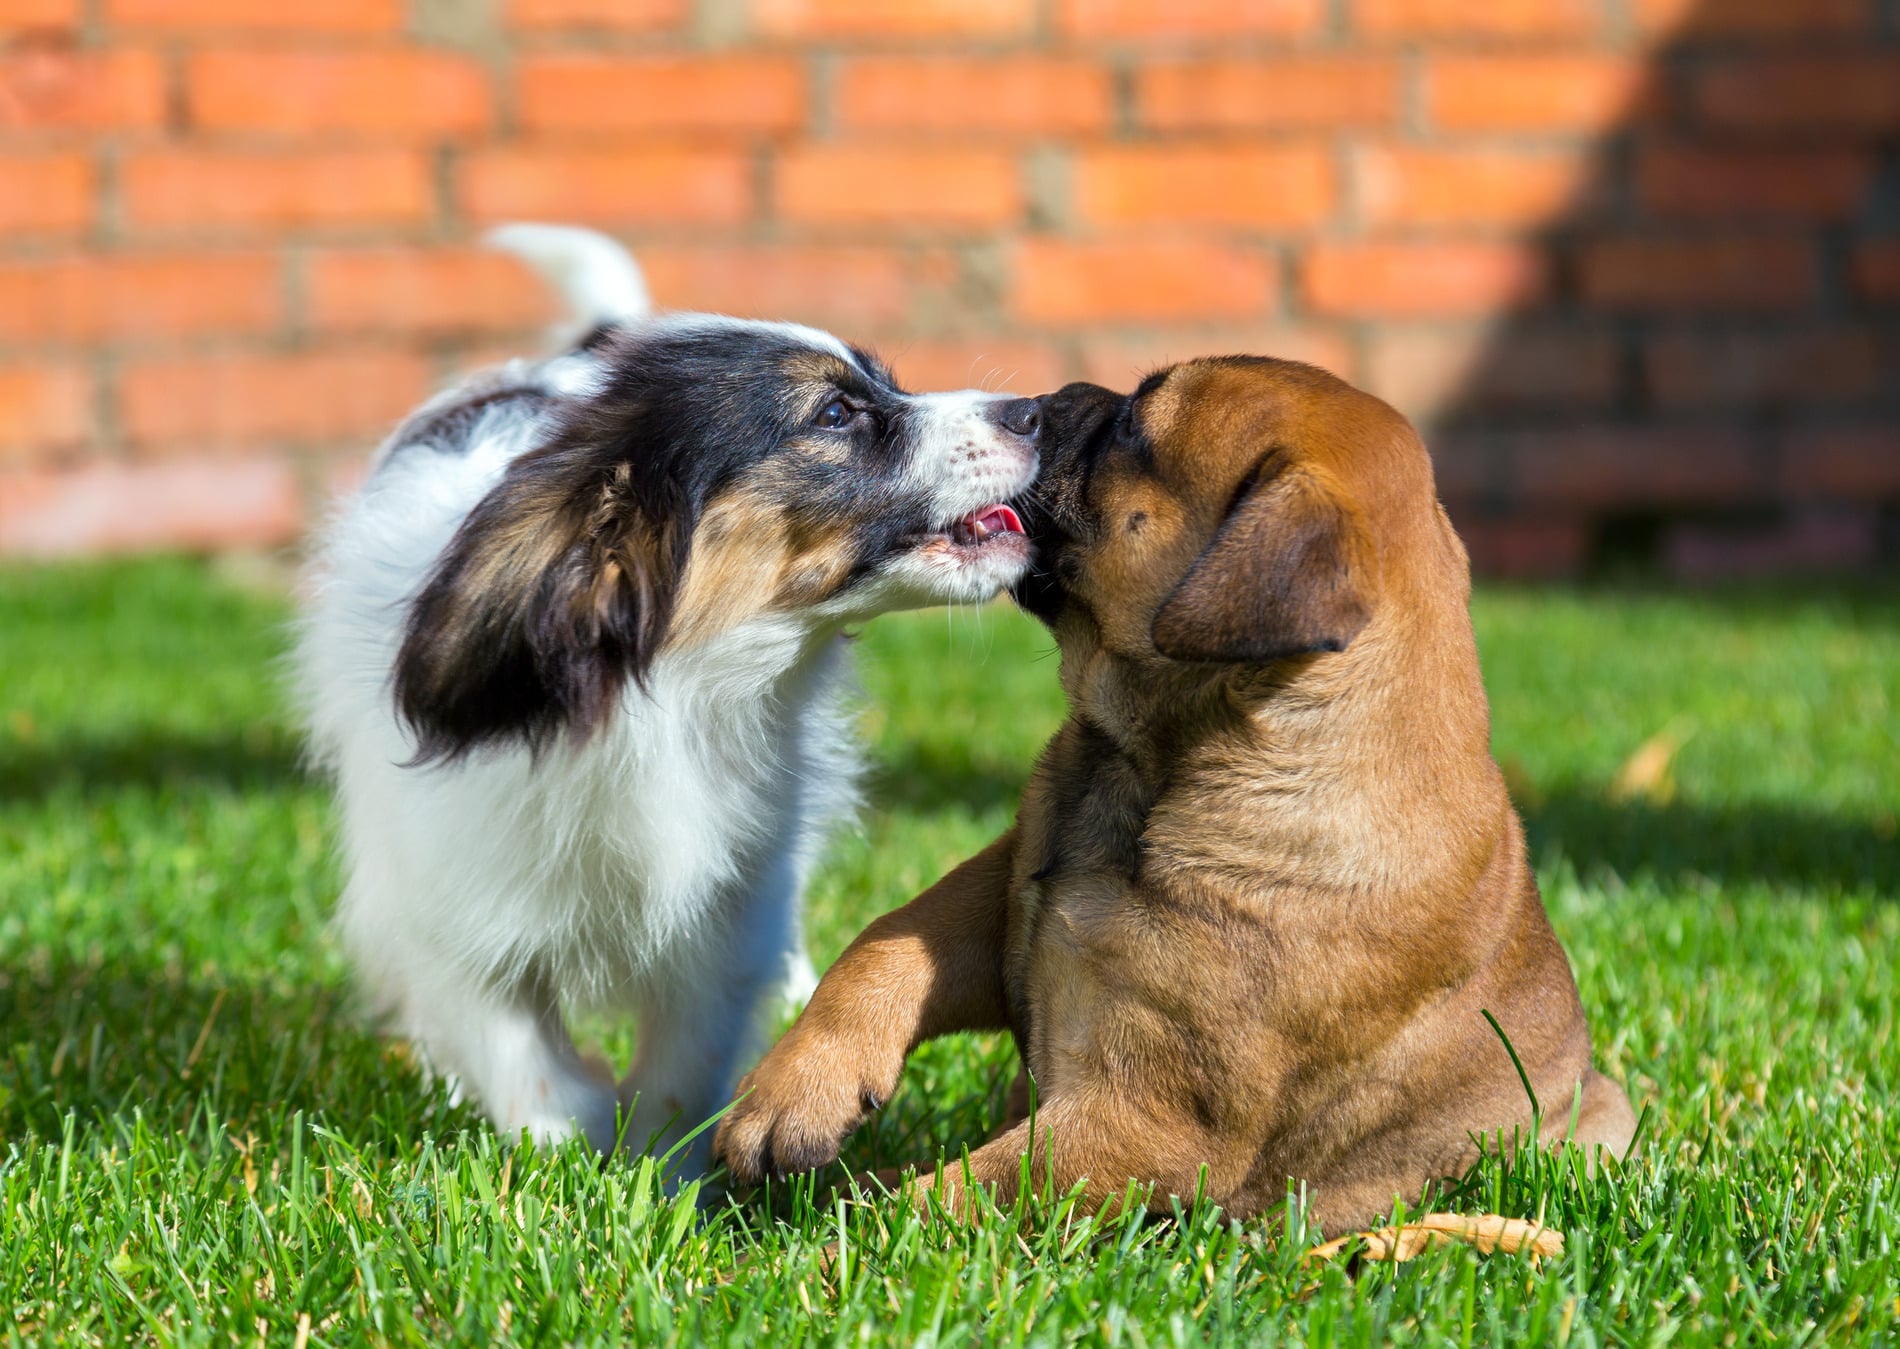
x=1285, y=575
x=557, y=589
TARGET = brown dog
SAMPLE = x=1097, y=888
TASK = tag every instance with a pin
x=1266, y=880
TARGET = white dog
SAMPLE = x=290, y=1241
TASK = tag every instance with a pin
x=574, y=658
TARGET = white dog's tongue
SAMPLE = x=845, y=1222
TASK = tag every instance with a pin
x=998, y=519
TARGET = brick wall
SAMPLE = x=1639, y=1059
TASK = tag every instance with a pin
x=1635, y=263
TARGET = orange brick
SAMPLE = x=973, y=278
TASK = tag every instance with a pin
x=122, y=508
x=622, y=15
x=848, y=287
x=114, y=296
x=1697, y=17
x=1522, y=92
x=1162, y=280
x=883, y=185
x=1409, y=280
x=1014, y=95
x=27, y=14
x=1703, y=274
x=1431, y=371
x=1264, y=186
x=1321, y=92
x=331, y=16
x=1514, y=189
x=591, y=93
x=1858, y=93
x=45, y=194
x=298, y=93
x=608, y=184
x=1877, y=271
x=245, y=400
x=1027, y=368
x=255, y=189
x=926, y=20
x=1815, y=183
x=1202, y=20
x=443, y=290
x=1742, y=371
x=1121, y=360
x=61, y=89
x=1467, y=19
x=43, y=408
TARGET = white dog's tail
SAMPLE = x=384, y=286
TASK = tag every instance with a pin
x=598, y=279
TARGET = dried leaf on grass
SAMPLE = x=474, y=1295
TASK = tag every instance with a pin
x=1488, y=1232
x=1645, y=775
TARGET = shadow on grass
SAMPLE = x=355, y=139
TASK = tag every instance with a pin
x=1769, y=844
x=103, y=1041
x=927, y=777
x=258, y=760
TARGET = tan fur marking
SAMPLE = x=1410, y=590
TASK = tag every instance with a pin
x=740, y=555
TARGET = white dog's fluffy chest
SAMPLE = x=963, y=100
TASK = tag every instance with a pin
x=591, y=864
x=665, y=829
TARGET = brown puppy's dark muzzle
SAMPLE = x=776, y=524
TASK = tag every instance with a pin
x=1074, y=418
x=1076, y=423
x=1021, y=417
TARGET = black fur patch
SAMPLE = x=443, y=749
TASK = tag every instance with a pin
x=450, y=428
x=560, y=585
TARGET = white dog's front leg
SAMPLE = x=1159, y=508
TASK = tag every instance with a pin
x=512, y=1051
x=692, y=1039
x=699, y=1023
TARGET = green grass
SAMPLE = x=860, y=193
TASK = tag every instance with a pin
x=198, y=1144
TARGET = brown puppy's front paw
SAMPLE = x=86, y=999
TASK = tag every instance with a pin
x=794, y=1111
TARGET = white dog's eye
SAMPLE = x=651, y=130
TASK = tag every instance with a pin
x=835, y=414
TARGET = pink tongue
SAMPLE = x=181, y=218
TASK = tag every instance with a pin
x=996, y=520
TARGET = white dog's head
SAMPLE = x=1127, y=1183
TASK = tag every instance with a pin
x=713, y=470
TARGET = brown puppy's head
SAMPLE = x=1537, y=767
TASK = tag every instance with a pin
x=1232, y=511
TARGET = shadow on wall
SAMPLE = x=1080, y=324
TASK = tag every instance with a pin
x=1760, y=843
x=1702, y=373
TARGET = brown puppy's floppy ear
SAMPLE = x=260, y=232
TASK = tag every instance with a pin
x=1284, y=576
x=557, y=589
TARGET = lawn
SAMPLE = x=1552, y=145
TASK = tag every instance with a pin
x=199, y=1143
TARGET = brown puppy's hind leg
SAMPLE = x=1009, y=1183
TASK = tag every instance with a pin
x=1098, y=1148
x=929, y=968
x=1015, y=1104
x=1605, y=1119
x=1015, y=1111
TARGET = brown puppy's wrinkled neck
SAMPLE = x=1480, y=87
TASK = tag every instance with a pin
x=1311, y=727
